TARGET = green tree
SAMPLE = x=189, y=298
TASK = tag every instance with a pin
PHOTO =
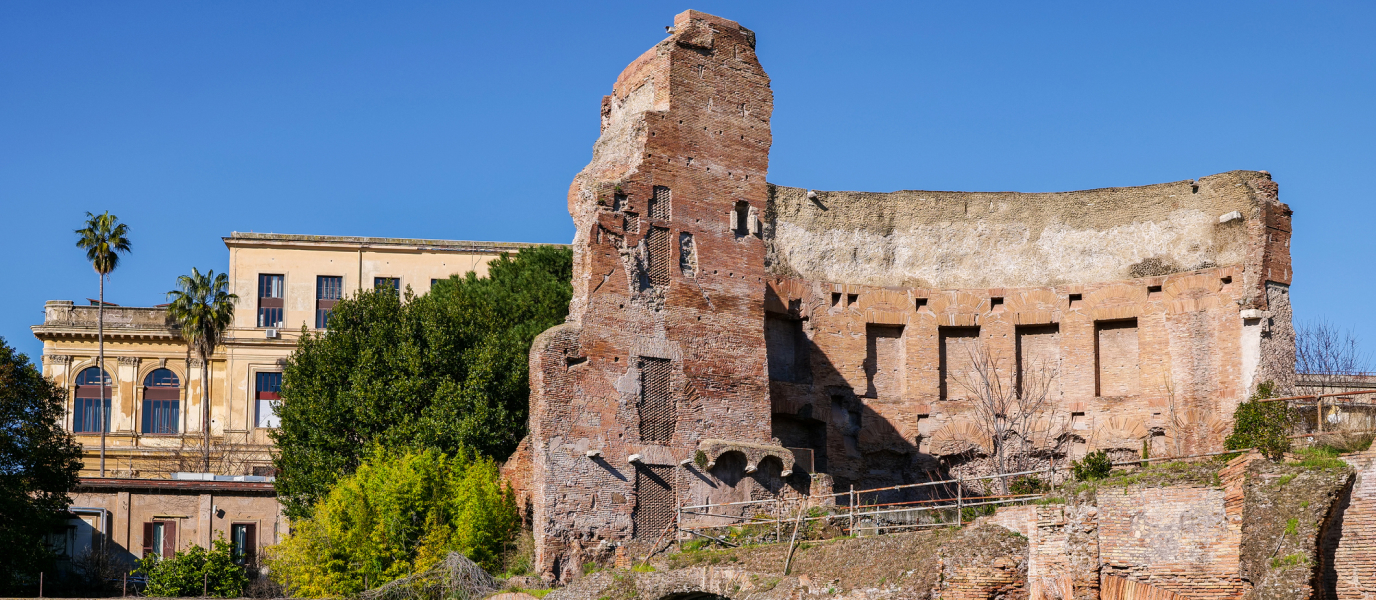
x=103, y=238
x=1262, y=425
x=194, y=572
x=399, y=513
x=203, y=309
x=447, y=370
x=39, y=462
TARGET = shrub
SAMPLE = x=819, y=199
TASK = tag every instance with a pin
x=398, y=514
x=1095, y=465
x=1028, y=484
x=1262, y=425
x=193, y=571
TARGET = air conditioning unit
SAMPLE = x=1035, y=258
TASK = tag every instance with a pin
x=273, y=334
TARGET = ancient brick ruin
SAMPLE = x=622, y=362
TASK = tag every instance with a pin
x=731, y=339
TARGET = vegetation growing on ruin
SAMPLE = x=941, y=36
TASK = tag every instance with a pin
x=400, y=513
x=1262, y=425
x=447, y=370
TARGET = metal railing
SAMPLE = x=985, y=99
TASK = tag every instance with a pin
x=855, y=512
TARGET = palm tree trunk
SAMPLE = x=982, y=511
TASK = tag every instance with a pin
x=100, y=341
x=205, y=409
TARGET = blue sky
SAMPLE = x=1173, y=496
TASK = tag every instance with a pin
x=189, y=120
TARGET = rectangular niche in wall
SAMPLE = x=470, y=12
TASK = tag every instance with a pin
x=655, y=502
x=657, y=249
x=687, y=255
x=1116, y=358
x=658, y=413
x=959, y=347
x=884, y=361
x=788, y=349
x=1039, y=358
x=659, y=204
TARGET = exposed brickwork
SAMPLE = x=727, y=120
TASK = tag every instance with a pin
x=1352, y=535
x=715, y=311
x=1177, y=538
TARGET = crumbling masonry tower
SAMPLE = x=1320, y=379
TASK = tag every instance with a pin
x=730, y=339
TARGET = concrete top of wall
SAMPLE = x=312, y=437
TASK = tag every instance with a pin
x=952, y=240
x=240, y=239
x=172, y=485
x=64, y=317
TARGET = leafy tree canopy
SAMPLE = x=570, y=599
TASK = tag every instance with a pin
x=400, y=512
x=447, y=370
x=39, y=462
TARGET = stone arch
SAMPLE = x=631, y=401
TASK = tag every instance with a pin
x=959, y=438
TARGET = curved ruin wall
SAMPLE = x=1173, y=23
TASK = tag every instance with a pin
x=1010, y=239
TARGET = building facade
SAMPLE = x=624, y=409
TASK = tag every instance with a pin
x=286, y=284
x=730, y=339
x=155, y=495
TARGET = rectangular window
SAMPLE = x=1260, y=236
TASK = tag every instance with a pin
x=86, y=414
x=658, y=411
x=266, y=396
x=1039, y=359
x=242, y=543
x=959, y=348
x=328, y=291
x=270, y=300
x=1116, y=358
x=160, y=408
x=884, y=359
x=387, y=283
x=160, y=538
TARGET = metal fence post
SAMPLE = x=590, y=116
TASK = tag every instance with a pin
x=851, y=500
x=960, y=493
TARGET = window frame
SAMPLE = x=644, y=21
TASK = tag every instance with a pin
x=271, y=303
x=258, y=400
x=79, y=402
x=149, y=407
x=325, y=306
x=379, y=280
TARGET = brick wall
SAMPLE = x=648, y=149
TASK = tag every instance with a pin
x=1177, y=538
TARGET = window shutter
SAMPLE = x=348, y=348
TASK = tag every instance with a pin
x=147, y=539
x=169, y=538
x=250, y=544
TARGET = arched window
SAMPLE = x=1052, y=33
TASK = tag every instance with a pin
x=91, y=385
x=161, y=400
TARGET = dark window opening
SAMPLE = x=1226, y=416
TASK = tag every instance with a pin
x=787, y=349
x=328, y=291
x=271, y=294
x=851, y=299
x=161, y=402
x=243, y=539
x=921, y=303
x=387, y=283
x=267, y=393
x=1226, y=280
x=92, y=384
x=658, y=410
x=160, y=538
x=835, y=299
x=1153, y=289
x=995, y=304
x=1075, y=300
x=741, y=218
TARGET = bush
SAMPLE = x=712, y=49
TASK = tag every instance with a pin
x=1028, y=484
x=399, y=514
x=1096, y=465
x=1262, y=425
x=194, y=571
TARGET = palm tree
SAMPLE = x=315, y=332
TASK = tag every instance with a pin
x=203, y=309
x=103, y=239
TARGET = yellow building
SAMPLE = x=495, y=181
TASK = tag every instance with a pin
x=153, y=387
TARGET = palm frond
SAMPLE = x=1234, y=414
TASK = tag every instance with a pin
x=203, y=308
x=103, y=238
